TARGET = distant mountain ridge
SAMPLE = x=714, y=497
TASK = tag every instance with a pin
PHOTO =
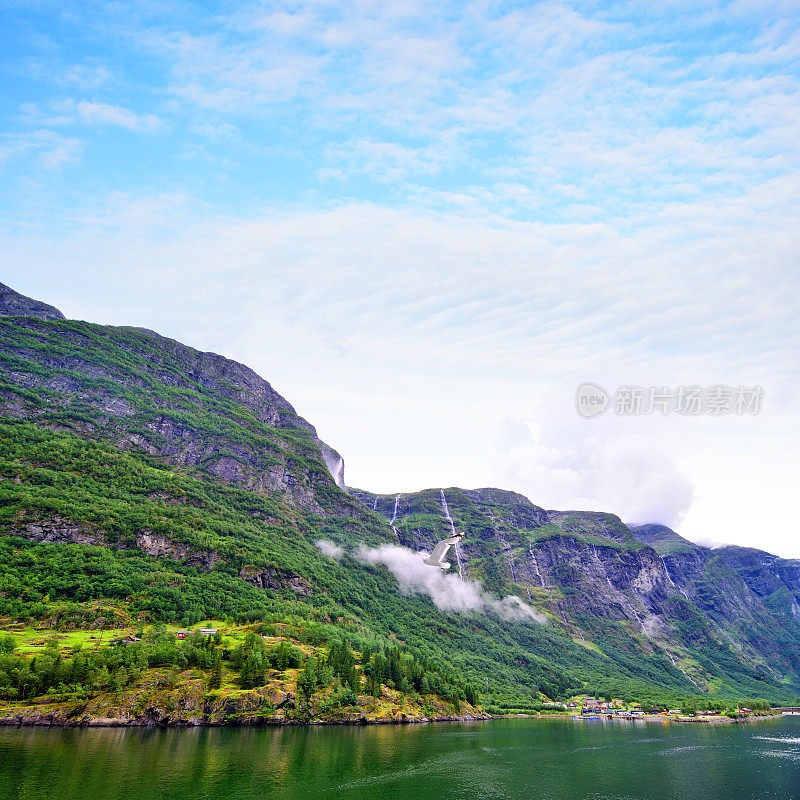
x=582, y=565
x=236, y=488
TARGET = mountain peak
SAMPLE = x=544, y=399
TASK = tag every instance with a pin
x=663, y=539
x=14, y=304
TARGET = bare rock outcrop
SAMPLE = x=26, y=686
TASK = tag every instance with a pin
x=276, y=580
x=59, y=530
x=160, y=546
x=14, y=304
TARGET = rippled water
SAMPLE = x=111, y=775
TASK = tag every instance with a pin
x=509, y=759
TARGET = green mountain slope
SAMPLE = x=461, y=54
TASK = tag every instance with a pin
x=142, y=479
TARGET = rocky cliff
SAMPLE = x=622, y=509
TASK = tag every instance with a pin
x=14, y=304
x=198, y=410
x=589, y=571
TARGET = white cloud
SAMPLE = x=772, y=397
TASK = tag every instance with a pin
x=70, y=112
x=51, y=151
x=567, y=462
x=447, y=591
x=105, y=114
x=329, y=548
x=544, y=192
x=86, y=76
x=407, y=337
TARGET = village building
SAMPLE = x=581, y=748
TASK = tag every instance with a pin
x=126, y=640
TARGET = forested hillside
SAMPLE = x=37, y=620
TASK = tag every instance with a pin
x=144, y=483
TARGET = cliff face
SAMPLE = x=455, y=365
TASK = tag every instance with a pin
x=567, y=562
x=590, y=572
x=750, y=575
x=749, y=597
x=775, y=580
x=197, y=410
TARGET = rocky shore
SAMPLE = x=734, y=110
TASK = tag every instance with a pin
x=189, y=705
x=57, y=719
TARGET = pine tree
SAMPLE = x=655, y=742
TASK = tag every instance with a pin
x=307, y=680
x=343, y=663
x=215, y=680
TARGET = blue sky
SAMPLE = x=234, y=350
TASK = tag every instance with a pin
x=426, y=223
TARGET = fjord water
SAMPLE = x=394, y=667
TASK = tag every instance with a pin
x=509, y=759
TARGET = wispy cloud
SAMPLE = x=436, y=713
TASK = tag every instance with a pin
x=70, y=112
x=446, y=210
x=329, y=548
x=85, y=76
x=447, y=590
x=106, y=114
x=49, y=149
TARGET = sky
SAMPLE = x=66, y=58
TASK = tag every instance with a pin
x=427, y=223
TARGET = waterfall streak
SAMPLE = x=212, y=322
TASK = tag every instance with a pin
x=536, y=565
x=394, y=516
x=672, y=582
x=449, y=519
x=626, y=604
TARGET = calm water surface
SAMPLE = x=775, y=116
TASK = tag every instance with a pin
x=509, y=759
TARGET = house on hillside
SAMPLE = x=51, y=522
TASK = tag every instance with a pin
x=209, y=631
x=125, y=640
x=182, y=634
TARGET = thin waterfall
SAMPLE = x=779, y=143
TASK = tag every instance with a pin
x=513, y=566
x=678, y=666
x=449, y=519
x=603, y=567
x=375, y=504
x=394, y=516
x=530, y=596
x=625, y=602
x=506, y=545
x=536, y=566
x=339, y=475
x=672, y=582
x=559, y=606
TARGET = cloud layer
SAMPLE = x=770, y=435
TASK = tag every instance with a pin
x=607, y=464
x=422, y=220
x=446, y=589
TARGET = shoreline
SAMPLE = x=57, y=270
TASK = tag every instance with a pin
x=55, y=720
x=715, y=720
x=44, y=721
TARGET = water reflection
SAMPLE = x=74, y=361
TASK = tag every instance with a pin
x=507, y=759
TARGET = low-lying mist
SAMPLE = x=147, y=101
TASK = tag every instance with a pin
x=446, y=589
